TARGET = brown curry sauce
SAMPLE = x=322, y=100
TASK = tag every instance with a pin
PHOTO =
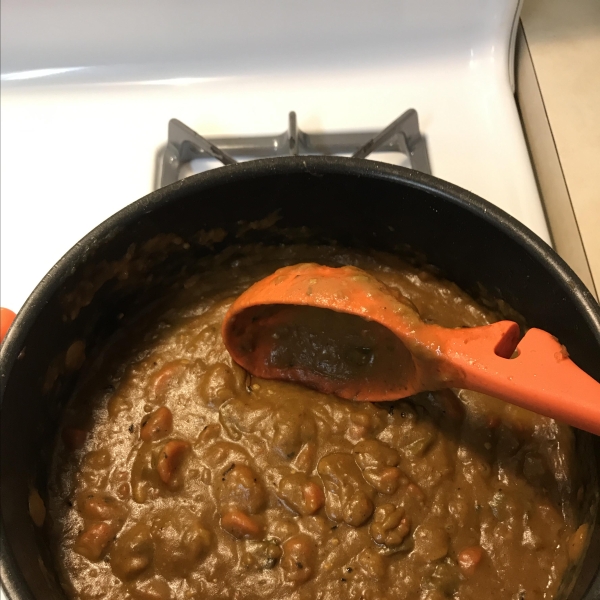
x=177, y=475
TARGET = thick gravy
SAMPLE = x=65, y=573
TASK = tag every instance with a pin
x=179, y=476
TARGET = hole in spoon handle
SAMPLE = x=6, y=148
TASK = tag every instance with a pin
x=541, y=378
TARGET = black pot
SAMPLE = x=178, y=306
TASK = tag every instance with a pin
x=357, y=203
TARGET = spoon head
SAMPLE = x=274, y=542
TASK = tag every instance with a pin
x=328, y=328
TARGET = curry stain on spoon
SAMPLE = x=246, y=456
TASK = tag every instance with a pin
x=342, y=331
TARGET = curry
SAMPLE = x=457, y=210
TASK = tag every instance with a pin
x=177, y=475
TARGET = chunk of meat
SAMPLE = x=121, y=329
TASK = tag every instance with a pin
x=208, y=434
x=94, y=470
x=413, y=434
x=220, y=455
x=241, y=488
x=132, y=553
x=217, y=385
x=145, y=481
x=245, y=414
x=299, y=558
x=386, y=480
x=366, y=421
x=420, y=440
x=372, y=563
x=379, y=465
x=390, y=525
x=375, y=454
x=293, y=427
x=357, y=509
x=302, y=494
x=156, y=425
x=262, y=555
x=283, y=527
x=286, y=429
x=92, y=542
x=240, y=525
x=166, y=375
x=431, y=541
x=287, y=439
x=181, y=542
x=100, y=506
x=170, y=459
x=348, y=497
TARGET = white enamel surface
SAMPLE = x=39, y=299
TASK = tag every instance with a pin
x=88, y=89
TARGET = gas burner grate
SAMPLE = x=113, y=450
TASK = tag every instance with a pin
x=185, y=145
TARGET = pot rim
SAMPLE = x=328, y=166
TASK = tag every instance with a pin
x=12, y=581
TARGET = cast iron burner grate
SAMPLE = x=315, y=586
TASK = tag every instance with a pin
x=185, y=145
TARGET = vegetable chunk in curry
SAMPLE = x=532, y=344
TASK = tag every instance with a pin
x=180, y=476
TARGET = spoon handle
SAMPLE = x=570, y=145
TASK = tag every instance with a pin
x=541, y=377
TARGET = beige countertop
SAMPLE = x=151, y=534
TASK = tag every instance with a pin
x=564, y=42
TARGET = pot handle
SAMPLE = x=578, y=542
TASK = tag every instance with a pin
x=7, y=316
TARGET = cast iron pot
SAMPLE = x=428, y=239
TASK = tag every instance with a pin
x=353, y=202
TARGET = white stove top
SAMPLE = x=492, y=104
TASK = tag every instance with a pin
x=88, y=91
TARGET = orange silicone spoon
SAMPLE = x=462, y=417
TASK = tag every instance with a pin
x=370, y=344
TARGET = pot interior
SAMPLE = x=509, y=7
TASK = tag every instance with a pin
x=150, y=246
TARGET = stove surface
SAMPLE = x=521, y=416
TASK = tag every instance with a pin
x=84, y=117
